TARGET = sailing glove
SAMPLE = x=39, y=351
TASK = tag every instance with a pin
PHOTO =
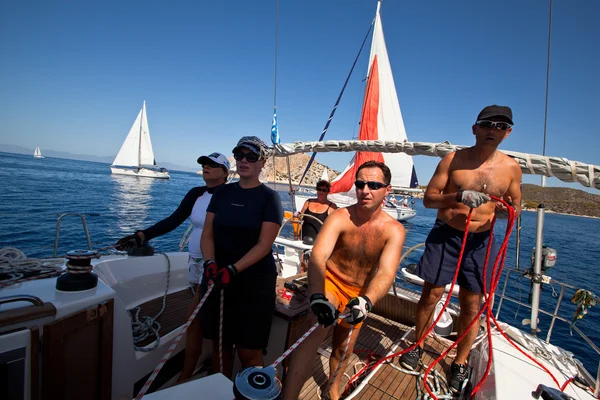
x=210, y=270
x=129, y=242
x=325, y=312
x=226, y=275
x=471, y=198
x=357, y=309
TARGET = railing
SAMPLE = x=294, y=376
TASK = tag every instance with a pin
x=555, y=316
x=58, y=223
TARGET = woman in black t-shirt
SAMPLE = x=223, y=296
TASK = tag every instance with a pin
x=242, y=222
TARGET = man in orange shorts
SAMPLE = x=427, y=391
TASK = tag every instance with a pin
x=353, y=265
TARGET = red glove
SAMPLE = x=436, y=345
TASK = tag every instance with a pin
x=210, y=271
x=226, y=275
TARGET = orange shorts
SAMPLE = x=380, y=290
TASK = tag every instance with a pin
x=341, y=292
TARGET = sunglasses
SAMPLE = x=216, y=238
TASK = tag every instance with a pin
x=322, y=190
x=250, y=157
x=212, y=165
x=371, y=184
x=501, y=126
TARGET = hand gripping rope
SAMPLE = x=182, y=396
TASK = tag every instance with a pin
x=174, y=344
x=258, y=383
x=496, y=273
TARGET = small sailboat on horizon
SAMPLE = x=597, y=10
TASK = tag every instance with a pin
x=136, y=157
x=38, y=153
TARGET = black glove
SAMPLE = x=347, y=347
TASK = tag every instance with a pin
x=358, y=308
x=226, y=275
x=324, y=311
x=472, y=198
x=129, y=242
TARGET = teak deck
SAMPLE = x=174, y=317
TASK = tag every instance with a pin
x=378, y=335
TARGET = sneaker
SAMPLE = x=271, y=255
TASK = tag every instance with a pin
x=457, y=375
x=411, y=359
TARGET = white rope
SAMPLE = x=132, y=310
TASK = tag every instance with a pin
x=146, y=326
x=561, y=168
x=15, y=264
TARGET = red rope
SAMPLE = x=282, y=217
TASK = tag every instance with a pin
x=495, y=279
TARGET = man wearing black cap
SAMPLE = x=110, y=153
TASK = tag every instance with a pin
x=462, y=181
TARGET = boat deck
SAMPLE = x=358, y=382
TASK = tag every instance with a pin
x=173, y=317
x=377, y=337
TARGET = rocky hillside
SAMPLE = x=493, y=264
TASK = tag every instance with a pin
x=298, y=163
x=561, y=200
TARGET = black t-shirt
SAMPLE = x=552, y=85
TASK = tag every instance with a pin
x=239, y=214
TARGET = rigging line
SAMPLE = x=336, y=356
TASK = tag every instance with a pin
x=547, y=85
x=337, y=102
x=276, y=50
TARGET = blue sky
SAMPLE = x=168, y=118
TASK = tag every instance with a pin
x=73, y=75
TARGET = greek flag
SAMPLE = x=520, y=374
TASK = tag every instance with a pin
x=274, y=129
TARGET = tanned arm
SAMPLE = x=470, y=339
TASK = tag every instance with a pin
x=434, y=198
x=207, y=240
x=268, y=233
x=324, y=245
x=388, y=263
x=513, y=193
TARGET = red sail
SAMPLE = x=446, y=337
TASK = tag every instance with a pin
x=368, y=131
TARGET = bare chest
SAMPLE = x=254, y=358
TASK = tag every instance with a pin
x=489, y=180
x=362, y=246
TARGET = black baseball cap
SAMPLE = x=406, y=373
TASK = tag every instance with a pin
x=496, y=112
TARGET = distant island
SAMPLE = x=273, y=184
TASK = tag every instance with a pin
x=559, y=200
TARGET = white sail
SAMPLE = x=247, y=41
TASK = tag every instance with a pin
x=381, y=120
x=146, y=153
x=38, y=153
x=390, y=125
x=325, y=176
x=129, y=154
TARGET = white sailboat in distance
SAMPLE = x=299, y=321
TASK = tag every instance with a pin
x=136, y=157
x=38, y=153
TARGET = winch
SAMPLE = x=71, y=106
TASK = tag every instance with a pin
x=79, y=275
x=257, y=383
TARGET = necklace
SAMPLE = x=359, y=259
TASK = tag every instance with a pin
x=491, y=163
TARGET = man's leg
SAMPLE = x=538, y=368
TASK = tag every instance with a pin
x=227, y=357
x=193, y=343
x=470, y=304
x=340, y=337
x=430, y=296
x=250, y=357
x=301, y=361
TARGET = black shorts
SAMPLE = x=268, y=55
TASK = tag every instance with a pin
x=442, y=248
x=247, y=314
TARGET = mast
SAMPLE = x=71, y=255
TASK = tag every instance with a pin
x=536, y=276
x=140, y=136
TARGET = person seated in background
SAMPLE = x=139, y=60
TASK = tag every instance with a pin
x=318, y=208
x=215, y=170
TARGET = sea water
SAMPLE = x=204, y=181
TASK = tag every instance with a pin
x=34, y=192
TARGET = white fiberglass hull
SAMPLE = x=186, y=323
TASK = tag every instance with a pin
x=142, y=172
x=36, y=156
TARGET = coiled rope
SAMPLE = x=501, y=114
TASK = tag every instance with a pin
x=15, y=267
x=146, y=326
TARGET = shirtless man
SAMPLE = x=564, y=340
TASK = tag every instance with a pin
x=463, y=180
x=353, y=265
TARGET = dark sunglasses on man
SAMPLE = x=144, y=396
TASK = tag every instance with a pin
x=250, y=157
x=501, y=126
x=373, y=185
x=322, y=189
